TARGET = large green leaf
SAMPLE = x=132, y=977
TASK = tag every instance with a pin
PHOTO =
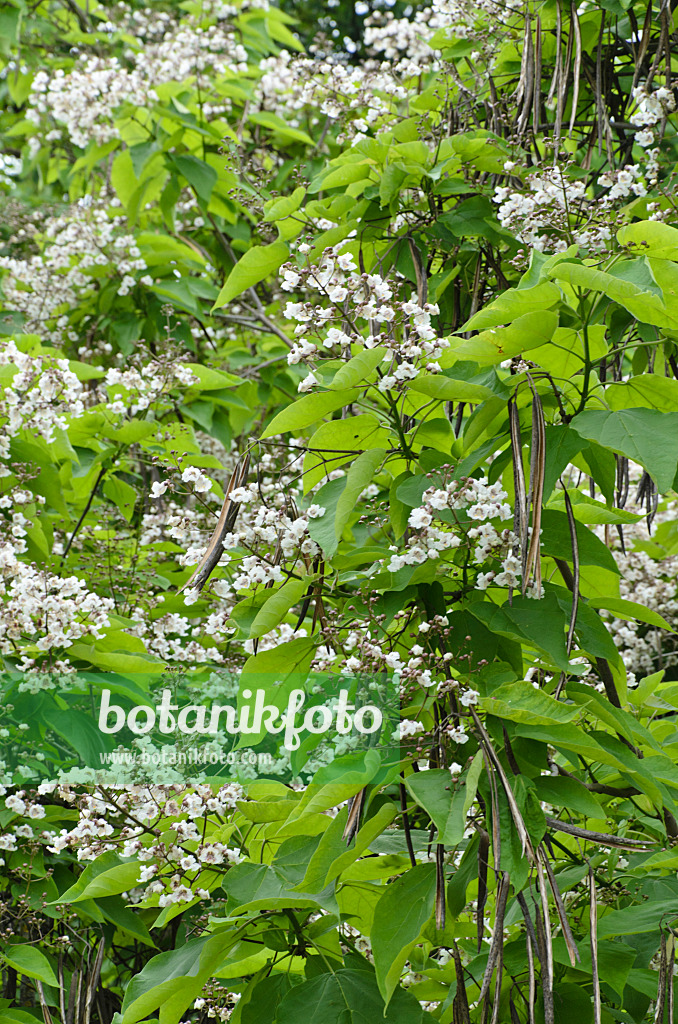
x=31, y=961
x=647, y=436
x=359, y=369
x=197, y=173
x=521, y=702
x=172, y=980
x=252, y=887
x=624, y=609
x=556, y=541
x=277, y=606
x=512, y=303
x=359, y=476
x=650, y=237
x=322, y=529
x=499, y=343
x=541, y=624
x=106, y=876
x=399, y=918
x=635, y=920
x=341, y=441
x=80, y=731
x=647, y=390
x=348, y=997
x=562, y=444
x=258, y=263
x=434, y=791
x=307, y=410
x=563, y=791
x=645, y=305
x=449, y=389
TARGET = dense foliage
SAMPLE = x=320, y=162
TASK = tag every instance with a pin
x=325, y=372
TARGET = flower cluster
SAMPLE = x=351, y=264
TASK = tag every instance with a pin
x=475, y=501
x=363, y=310
x=131, y=391
x=553, y=211
x=651, y=108
x=43, y=394
x=42, y=612
x=73, y=248
x=84, y=101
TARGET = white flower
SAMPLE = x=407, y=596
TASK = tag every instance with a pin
x=192, y=475
x=407, y=728
x=469, y=697
x=307, y=383
x=458, y=735
x=645, y=138
x=158, y=488
x=290, y=280
x=419, y=518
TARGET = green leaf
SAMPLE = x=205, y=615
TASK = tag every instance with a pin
x=471, y=218
x=521, y=702
x=638, y=919
x=556, y=541
x=623, y=609
x=121, y=494
x=30, y=961
x=348, y=997
x=106, y=876
x=275, y=671
x=359, y=477
x=279, y=209
x=391, y=181
x=647, y=390
x=281, y=128
x=491, y=347
x=652, y=237
x=127, y=920
x=331, y=846
x=261, y=1004
x=172, y=980
x=293, y=657
x=322, y=529
x=278, y=605
x=644, y=305
x=435, y=792
x=399, y=918
x=358, y=369
x=539, y=623
x=449, y=389
x=562, y=791
x=131, y=432
x=261, y=887
x=80, y=731
x=372, y=828
x=197, y=173
x=210, y=379
x=258, y=263
x=306, y=411
x=338, y=177
x=647, y=436
x=117, y=661
x=11, y=1016
x=590, y=511
x=562, y=444
x=512, y=303
x=340, y=441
